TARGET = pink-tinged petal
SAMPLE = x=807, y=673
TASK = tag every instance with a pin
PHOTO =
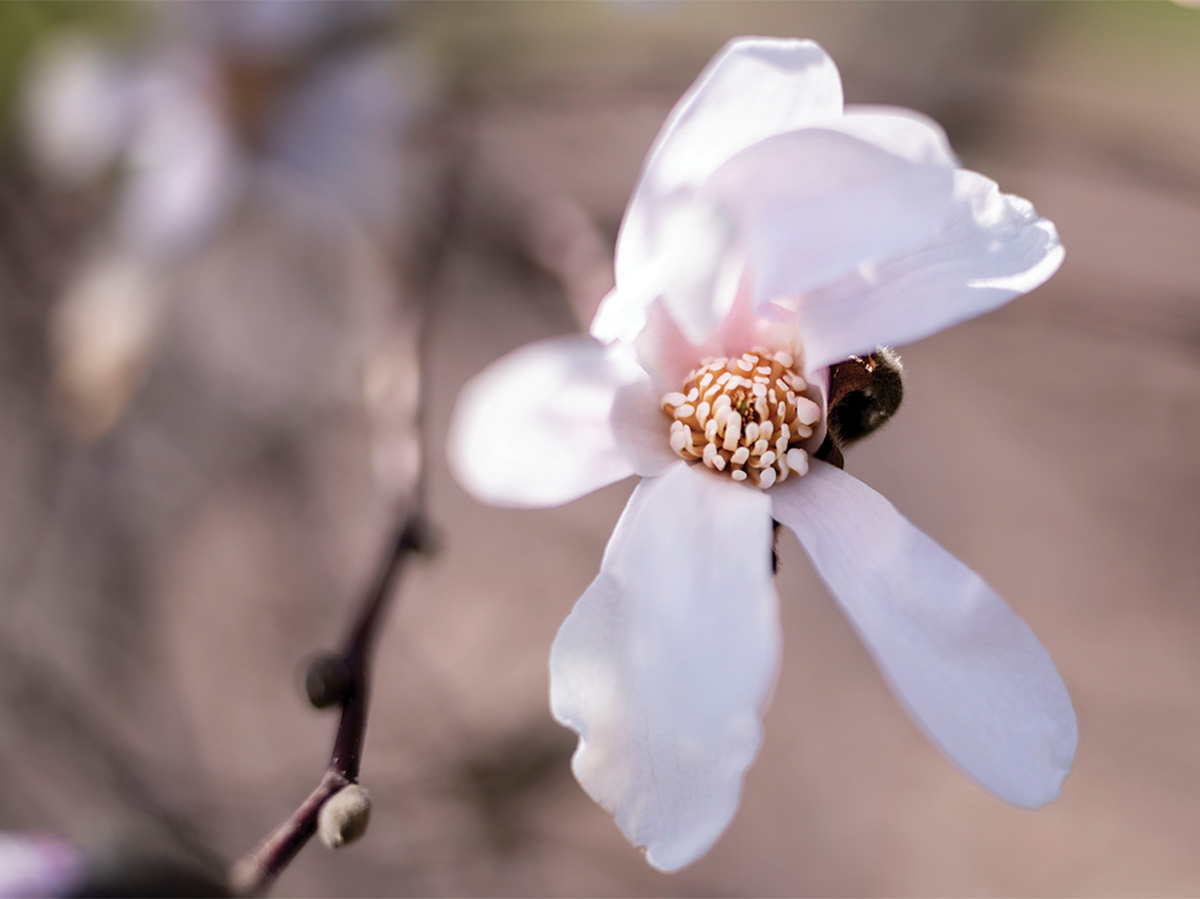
x=968, y=670
x=816, y=205
x=993, y=248
x=39, y=865
x=753, y=89
x=534, y=429
x=641, y=427
x=668, y=659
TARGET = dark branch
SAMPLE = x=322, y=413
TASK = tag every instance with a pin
x=254, y=873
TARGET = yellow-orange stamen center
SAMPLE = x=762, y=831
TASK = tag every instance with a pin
x=746, y=416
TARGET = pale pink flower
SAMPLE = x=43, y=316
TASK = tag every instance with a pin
x=776, y=233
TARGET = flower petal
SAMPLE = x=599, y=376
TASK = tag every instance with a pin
x=966, y=667
x=533, y=429
x=993, y=248
x=815, y=205
x=669, y=657
x=904, y=132
x=753, y=89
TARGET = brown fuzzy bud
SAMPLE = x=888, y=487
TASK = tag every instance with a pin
x=344, y=817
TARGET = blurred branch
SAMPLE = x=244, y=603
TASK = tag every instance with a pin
x=345, y=678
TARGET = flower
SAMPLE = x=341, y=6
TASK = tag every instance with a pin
x=772, y=235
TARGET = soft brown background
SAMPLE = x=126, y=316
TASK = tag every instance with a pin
x=160, y=587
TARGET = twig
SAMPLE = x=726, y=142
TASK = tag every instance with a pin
x=254, y=873
x=345, y=678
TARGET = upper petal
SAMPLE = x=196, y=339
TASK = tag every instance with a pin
x=965, y=666
x=992, y=248
x=534, y=428
x=815, y=205
x=753, y=89
x=667, y=660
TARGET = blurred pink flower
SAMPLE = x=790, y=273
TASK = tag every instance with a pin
x=772, y=234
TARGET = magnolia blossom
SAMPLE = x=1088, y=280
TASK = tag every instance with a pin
x=773, y=234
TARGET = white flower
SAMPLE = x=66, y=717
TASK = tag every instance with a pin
x=770, y=223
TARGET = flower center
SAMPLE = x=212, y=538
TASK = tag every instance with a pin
x=744, y=415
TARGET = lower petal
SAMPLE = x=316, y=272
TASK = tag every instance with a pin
x=966, y=667
x=667, y=660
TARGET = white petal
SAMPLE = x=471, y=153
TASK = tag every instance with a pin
x=816, y=205
x=993, y=248
x=904, y=132
x=534, y=429
x=641, y=429
x=669, y=657
x=753, y=89
x=965, y=666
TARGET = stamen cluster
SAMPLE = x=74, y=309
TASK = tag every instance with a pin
x=744, y=415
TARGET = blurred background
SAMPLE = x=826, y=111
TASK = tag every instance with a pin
x=221, y=228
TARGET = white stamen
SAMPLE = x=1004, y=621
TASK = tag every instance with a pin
x=706, y=380
x=733, y=431
x=693, y=395
x=785, y=359
x=702, y=413
x=751, y=432
x=710, y=453
x=718, y=462
x=768, y=459
x=738, y=475
x=685, y=411
x=674, y=399
x=807, y=411
x=740, y=455
x=761, y=447
x=679, y=441
x=797, y=460
x=710, y=430
x=766, y=429
x=767, y=478
x=744, y=365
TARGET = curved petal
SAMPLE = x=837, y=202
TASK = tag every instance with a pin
x=816, y=205
x=965, y=666
x=993, y=248
x=533, y=429
x=904, y=132
x=753, y=89
x=667, y=660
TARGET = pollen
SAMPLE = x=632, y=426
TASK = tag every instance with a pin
x=745, y=416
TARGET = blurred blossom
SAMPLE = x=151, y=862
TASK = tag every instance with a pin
x=234, y=104
x=174, y=114
x=101, y=336
x=78, y=110
x=774, y=233
x=183, y=169
x=38, y=865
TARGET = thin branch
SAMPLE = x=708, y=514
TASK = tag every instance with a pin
x=254, y=873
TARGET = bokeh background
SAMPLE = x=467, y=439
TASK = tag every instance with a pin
x=221, y=227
